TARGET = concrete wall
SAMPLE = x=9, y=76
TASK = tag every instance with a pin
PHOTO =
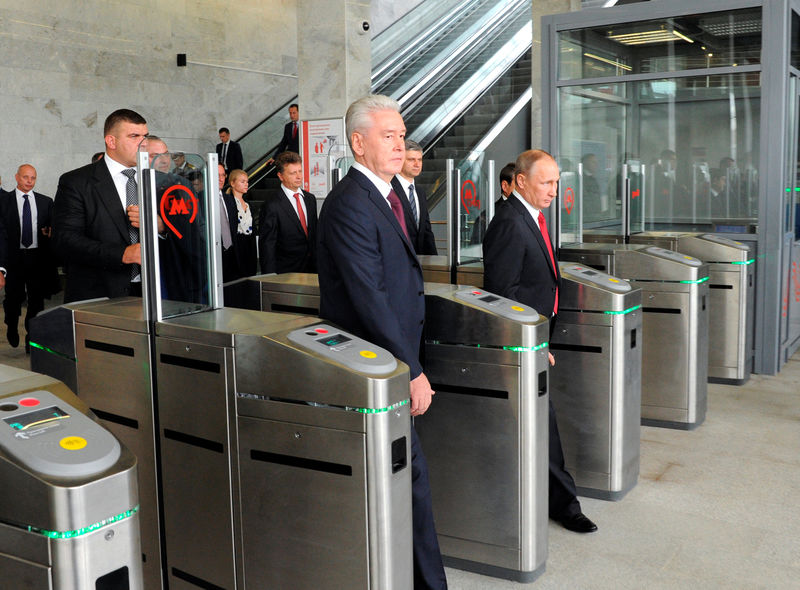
x=386, y=12
x=66, y=65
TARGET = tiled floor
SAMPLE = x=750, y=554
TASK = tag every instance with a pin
x=718, y=507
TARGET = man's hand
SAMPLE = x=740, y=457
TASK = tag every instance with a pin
x=133, y=218
x=47, y=231
x=421, y=394
x=132, y=254
x=552, y=359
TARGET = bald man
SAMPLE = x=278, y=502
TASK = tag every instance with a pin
x=26, y=216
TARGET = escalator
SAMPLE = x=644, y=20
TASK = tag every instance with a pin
x=463, y=67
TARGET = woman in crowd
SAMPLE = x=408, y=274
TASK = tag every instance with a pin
x=240, y=260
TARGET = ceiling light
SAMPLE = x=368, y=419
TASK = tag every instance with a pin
x=609, y=61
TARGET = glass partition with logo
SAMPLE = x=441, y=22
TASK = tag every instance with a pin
x=179, y=213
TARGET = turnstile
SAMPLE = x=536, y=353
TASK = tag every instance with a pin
x=674, y=326
x=596, y=383
x=434, y=268
x=731, y=298
x=299, y=435
x=485, y=434
x=68, y=502
x=110, y=341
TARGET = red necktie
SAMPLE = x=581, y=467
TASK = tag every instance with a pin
x=546, y=236
x=294, y=130
x=397, y=209
x=300, y=213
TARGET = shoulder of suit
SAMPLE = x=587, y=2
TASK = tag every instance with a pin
x=86, y=171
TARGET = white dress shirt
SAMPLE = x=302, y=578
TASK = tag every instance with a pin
x=120, y=180
x=384, y=188
x=290, y=195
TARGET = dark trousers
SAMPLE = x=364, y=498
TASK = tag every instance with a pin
x=428, y=568
x=25, y=280
x=562, y=494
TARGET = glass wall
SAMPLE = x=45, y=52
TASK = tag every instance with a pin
x=690, y=139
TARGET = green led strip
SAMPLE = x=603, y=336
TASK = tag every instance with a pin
x=526, y=348
x=380, y=410
x=751, y=261
x=85, y=530
x=624, y=311
x=51, y=351
x=697, y=282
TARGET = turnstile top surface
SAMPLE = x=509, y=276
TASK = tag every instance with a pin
x=437, y=262
x=711, y=248
x=457, y=315
x=654, y=264
x=124, y=313
x=290, y=282
x=585, y=289
x=217, y=327
x=599, y=247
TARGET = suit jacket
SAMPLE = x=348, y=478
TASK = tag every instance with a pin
x=90, y=233
x=282, y=244
x=289, y=143
x=10, y=215
x=421, y=236
x=235, y=159
x=369, y=277
x=516, y=263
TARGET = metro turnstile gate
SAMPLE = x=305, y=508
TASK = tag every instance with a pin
x=596, y=383
x=299, y=433
x=488, y=364
x=674, y=326
x=485, y=434
x=731, y=298
x=68, y=502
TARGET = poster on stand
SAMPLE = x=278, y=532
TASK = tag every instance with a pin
x=319, y=139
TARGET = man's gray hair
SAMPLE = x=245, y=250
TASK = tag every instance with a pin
x=413, y=146
x=358, y=116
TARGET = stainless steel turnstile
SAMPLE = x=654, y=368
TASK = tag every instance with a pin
x=110, y=341
x=731, y=298
x=299, y=433
x=68, y=502
x=674, y=326
x=485, y=434
x=596, y=383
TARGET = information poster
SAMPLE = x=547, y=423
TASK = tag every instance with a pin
x=320, y=138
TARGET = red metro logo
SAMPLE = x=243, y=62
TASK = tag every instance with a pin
x=175, y=205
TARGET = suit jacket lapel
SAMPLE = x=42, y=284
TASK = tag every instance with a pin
x=534, y=227
x=289, y=212
x=381, y=205
x=106, y=194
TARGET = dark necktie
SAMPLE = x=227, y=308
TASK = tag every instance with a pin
x=413, y=202
x=225, y=155
x=397, y=209
x=27, y=223
x=300, y=213
x=131, y=199
x=546, y=236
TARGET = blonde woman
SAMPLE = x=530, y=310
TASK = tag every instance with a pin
x=240, y=260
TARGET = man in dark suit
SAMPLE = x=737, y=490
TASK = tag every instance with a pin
x=519, y=263
x=92, y=229
x=287, y=227
x=27, y=218
x=371, y=283
x=415, y=204
x=229, y=152
x=290, y=142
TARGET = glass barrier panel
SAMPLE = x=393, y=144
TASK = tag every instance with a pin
x=184, y=247
x=571, y=198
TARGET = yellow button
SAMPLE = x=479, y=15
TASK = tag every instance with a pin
x=517, y=308
x=73, y=443
x=613, y=281
x=368, y=354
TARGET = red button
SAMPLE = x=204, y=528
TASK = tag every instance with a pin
x=29, y=401
x=476, y=292
x=321, y=331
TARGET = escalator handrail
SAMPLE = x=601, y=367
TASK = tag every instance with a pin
x=421, y=83
x=397, y=61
